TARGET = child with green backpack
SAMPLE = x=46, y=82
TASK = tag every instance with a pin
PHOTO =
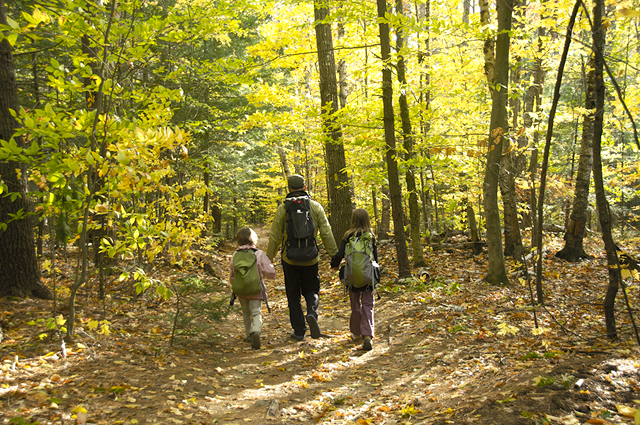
x=249, y=267
x=360, y=274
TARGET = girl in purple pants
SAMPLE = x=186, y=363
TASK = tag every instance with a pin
x=361, y=323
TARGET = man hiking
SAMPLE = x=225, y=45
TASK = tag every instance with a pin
x=295, y=226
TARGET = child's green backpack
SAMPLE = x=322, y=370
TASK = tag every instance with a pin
x=361, y=270
x=246, y=280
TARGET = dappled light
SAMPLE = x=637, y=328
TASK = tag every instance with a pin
x=448, y=349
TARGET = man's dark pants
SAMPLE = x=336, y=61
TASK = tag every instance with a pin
x=301, y=281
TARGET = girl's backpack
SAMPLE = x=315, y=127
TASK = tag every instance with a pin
x=361, y=270
x=246, y=280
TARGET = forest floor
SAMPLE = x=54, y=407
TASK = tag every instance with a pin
x=448, y=349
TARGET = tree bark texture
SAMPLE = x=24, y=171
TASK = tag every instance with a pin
x=424, y=16
x=533, y=102
x=497, y=272
x=576, y=228
x=404, y=267
x=385, y=215
x=407, y=133
x=19, y=274
x=337, y=178
x=601, y=199
x=512, y=237
x=489, y=44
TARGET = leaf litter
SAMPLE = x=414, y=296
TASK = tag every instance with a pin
x=449, y=348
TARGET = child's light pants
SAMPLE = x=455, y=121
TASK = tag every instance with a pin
x=361, y=322
x=251, y=315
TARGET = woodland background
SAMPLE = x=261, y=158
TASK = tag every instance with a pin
x=137, y=134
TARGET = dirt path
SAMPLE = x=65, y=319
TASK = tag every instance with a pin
x=452, y=350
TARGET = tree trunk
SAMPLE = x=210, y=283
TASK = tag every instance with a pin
x=337, y=178
x=407, y=133
x=497, y=272
x=404, y=267
x=534, y=100
x=489, y=44
x=385, y=216
x=547, y=149
x=473, y=230
x=19, y=274
x=424, y=16
x=512, y=237
x=601, y=199
x=576, y=228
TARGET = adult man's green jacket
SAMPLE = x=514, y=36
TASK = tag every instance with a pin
x=278, y=234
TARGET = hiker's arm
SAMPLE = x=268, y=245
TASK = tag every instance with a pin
x=375, y=250
x=325, y=231
x=265, y=266
x=275, y=235
x=335, y=261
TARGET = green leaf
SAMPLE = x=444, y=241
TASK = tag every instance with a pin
x=123, y=158
x=13, y=37
x=13, y=24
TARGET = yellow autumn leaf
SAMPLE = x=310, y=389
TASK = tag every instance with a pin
x=79, y=409
x=626, y=410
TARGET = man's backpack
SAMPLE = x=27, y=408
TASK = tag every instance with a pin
x=301, y=229
x=361, y=270
x=246, y=280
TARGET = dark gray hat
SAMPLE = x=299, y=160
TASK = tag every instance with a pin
x=296, y=181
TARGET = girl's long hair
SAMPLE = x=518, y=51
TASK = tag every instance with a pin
x=359, y=223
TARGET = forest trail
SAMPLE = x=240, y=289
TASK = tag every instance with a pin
x=448, y=350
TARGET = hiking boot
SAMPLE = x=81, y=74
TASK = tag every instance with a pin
x=255, y=340
x=247, y=338
x=366, y=346
x=356, y=338
x=296, y=336
x=313, y=326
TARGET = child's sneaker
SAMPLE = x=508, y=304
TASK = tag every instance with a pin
x=367, y=344
x=255, y=340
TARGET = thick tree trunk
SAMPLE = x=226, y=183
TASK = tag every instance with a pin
x=19, y=274
x=407, y=133
x=497, y=272
x=573, y=249
x=337, y=178
x=404, y=267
